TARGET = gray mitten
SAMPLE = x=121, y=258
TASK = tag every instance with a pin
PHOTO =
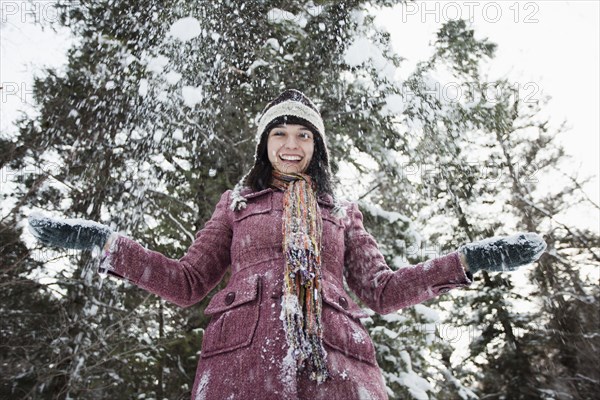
x=69, y=233
x=503, y=254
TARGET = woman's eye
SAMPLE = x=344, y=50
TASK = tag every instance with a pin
x=305, y=135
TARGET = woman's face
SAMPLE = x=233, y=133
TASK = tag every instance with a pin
x=290, y=148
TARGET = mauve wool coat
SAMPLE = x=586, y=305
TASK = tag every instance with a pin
x=244, y=347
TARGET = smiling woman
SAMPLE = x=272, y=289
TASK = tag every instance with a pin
x=290, y=148
x=284, y=327
x=291, y=126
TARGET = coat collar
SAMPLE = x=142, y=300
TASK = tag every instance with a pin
x=249, y=194
x=324, y=199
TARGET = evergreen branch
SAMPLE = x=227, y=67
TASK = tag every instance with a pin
x=571, y=231
x=175, y=199
x=578, y=186
x=368, y=192
x=189, y=234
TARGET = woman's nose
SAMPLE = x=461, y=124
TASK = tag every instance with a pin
x=291, y=142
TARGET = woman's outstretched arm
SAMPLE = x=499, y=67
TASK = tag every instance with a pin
x=183, y=281
x=386, y=291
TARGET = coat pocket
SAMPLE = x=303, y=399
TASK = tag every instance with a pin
x=342, y=329
x=234, y=315
x=261, y=205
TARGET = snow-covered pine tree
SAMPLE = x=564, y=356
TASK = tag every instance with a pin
x=429, y=182
x=80, y=157
x=531, y=340
x=562, y=340
x=459, y=170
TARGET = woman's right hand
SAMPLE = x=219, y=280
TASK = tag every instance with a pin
x=77, y=234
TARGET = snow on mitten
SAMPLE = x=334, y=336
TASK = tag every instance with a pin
x=69, y=233
x=503, y=254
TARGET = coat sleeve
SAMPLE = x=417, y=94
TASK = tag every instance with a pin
x=184, y=281
x=384, y=290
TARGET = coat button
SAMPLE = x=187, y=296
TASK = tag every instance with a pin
x=229, y=298
x=343, y=302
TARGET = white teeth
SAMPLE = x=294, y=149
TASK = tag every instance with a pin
x=290, y=158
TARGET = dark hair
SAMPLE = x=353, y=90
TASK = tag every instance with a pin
x=260, y=175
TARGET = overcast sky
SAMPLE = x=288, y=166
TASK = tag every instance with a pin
x=545, y=47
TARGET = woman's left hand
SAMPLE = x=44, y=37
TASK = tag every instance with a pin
x=503, y=254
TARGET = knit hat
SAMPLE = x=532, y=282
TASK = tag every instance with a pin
x=291, y=105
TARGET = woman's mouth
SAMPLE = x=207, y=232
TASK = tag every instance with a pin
x=290, y=158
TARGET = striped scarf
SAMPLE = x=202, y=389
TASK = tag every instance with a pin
x=301, y=303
